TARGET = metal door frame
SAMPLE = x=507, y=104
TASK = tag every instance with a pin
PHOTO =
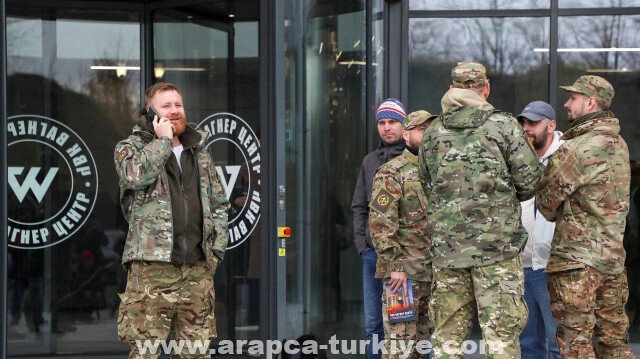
x=272, y=108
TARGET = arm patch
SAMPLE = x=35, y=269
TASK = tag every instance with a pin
x=390, y=188
x=122, y=155
x=383, y=199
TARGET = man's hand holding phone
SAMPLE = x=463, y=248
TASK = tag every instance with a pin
x=151, y=114
x=161, y=125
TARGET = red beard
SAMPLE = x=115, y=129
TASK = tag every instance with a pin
x=179, y=127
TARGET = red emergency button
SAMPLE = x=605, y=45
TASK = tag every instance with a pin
x=284, y=232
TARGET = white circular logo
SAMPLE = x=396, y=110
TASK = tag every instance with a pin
x=235, y=150
x=52, y=181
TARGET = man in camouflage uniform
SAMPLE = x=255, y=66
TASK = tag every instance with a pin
x=476, y=166
x=398, y=226
x=176, y=208
x=585, y=190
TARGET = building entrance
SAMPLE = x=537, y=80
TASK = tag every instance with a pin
x=75, y=77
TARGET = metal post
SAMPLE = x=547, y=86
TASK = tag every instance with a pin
x=3, y=183
x=273, y=280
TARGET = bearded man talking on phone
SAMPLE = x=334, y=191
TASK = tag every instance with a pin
x=176, y=208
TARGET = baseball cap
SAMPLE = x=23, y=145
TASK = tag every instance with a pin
x=391, y=108
x=593, y=86
x=536, y=111
x=416, y=118
x=469, y=75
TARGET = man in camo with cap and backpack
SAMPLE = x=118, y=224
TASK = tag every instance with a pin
x=476, y=166
x=585, y=190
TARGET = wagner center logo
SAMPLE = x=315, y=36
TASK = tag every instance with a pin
x=235, y=150
x=52, y=182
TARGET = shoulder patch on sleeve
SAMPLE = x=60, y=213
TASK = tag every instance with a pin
x=390, y=188
x=382, y=200
x=122, y=155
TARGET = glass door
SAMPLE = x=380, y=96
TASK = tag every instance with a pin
x=210, y=52
x=327, y=134
x=73, y=82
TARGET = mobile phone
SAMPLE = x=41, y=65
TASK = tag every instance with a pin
x=151, y=113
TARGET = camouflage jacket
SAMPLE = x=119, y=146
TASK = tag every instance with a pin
x=397, y=220
x=476, y=166
x=145, y=198
x=585, y=190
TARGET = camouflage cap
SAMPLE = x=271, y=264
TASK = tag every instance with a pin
x=416, y=118
x=593, y=86
x=469, y=75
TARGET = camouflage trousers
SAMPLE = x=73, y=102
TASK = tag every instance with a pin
x=589, y=308
x=496, y=291
x=163, y=301
x=416, y=330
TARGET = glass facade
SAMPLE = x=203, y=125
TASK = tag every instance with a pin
x=66, y=107
x=505, y=45
x=477, y=5
x=75, y=75
x=527, y=58
x=326, y=126
x=75, y=79
x=597, y=3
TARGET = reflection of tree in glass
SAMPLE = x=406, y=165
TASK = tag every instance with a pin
x=505, y=45
x=515, y=4
x=600, y=32
x=23, y=40
x=114, y=93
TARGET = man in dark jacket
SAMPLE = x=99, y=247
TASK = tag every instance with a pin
x=389, y=118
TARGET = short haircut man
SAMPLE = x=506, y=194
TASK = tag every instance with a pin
x=173, y=246
x=398, y=226
x=585, y=190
